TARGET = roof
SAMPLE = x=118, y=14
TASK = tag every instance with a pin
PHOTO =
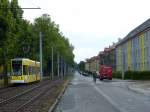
x=19, y=59
x=135, y=31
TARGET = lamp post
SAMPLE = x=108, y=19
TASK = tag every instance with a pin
x=61, y=67
x=58, y=64
x=123, y=65
x=52, y=64
x=41, y=64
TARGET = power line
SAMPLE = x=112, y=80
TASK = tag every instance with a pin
x=20, y=8
x=32, y=8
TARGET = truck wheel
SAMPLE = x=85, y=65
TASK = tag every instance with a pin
x=110, y=78
x=101, y=79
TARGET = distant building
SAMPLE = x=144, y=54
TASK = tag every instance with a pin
x=92, y=64
x=107, y=57
x=87, y=65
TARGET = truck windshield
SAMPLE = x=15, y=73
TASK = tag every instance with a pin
x=16, y=67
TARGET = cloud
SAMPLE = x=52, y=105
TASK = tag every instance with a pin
x=91, y=25
x=84, y=53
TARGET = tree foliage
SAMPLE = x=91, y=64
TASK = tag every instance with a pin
x=20, y=38
x=81, y=66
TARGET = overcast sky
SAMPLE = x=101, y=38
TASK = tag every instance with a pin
x=91, y=25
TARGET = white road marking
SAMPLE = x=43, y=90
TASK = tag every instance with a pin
x=109, y=99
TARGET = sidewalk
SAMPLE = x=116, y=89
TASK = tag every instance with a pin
x=141, y=87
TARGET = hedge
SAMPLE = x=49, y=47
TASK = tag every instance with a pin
x=117, y=74
x=137, y=75
x=134, y=75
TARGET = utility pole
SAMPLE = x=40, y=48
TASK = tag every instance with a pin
x=41, y=71
x=61, y=67
x=123, y=65
x=64, y=69
x=58, y=63
x=52, y=64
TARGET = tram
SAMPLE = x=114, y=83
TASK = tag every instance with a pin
x=24, y=70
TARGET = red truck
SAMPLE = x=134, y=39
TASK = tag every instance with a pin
x=105, y=72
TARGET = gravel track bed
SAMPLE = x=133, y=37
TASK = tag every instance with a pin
x=19, y=102
x=43, y=103
x=14, y=90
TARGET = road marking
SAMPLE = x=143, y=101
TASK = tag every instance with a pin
x=109, y=99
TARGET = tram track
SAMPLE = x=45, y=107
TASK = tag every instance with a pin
x=28, y=89
x=14, y=87
x=19, y=101
x=14, y=90
x=22, y=107
x=6, y=89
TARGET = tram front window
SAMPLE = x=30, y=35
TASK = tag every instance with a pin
x=16, y=68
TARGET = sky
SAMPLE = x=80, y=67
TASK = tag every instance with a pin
x=91, y=25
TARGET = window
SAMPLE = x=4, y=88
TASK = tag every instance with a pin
x=30, y=70
x=16, y=67
x=25, y=70
x=34, y=70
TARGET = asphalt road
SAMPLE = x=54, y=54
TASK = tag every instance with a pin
x=83, y=95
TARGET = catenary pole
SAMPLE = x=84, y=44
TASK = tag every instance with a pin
x=41, y=64
x=58, y=64
x=52, y=64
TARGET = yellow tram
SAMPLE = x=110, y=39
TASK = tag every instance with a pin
x=24, y=70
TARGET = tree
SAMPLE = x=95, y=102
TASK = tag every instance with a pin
x=81, y=66
x=53, y=38
x=20, y=38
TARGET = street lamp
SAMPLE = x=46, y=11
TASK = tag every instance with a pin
x=41, y=63
x=58, y=64
x=52, y=64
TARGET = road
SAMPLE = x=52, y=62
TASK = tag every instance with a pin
x=83, y=95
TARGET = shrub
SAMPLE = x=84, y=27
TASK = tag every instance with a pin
x=117, y=74
x=137, y=75
x=128, y=75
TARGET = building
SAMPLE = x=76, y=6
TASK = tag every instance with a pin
x=133, y=51
x=107, y=57
x=92, y=64
x=112, y=57
x=87, y=65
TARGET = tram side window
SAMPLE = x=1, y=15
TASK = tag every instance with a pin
x=39, y=70
x=36, y=70
x=25, y=70
x=30, y=70
x=33, y=70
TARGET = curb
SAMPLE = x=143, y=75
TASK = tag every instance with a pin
x=138, y=90
x=52, y=108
